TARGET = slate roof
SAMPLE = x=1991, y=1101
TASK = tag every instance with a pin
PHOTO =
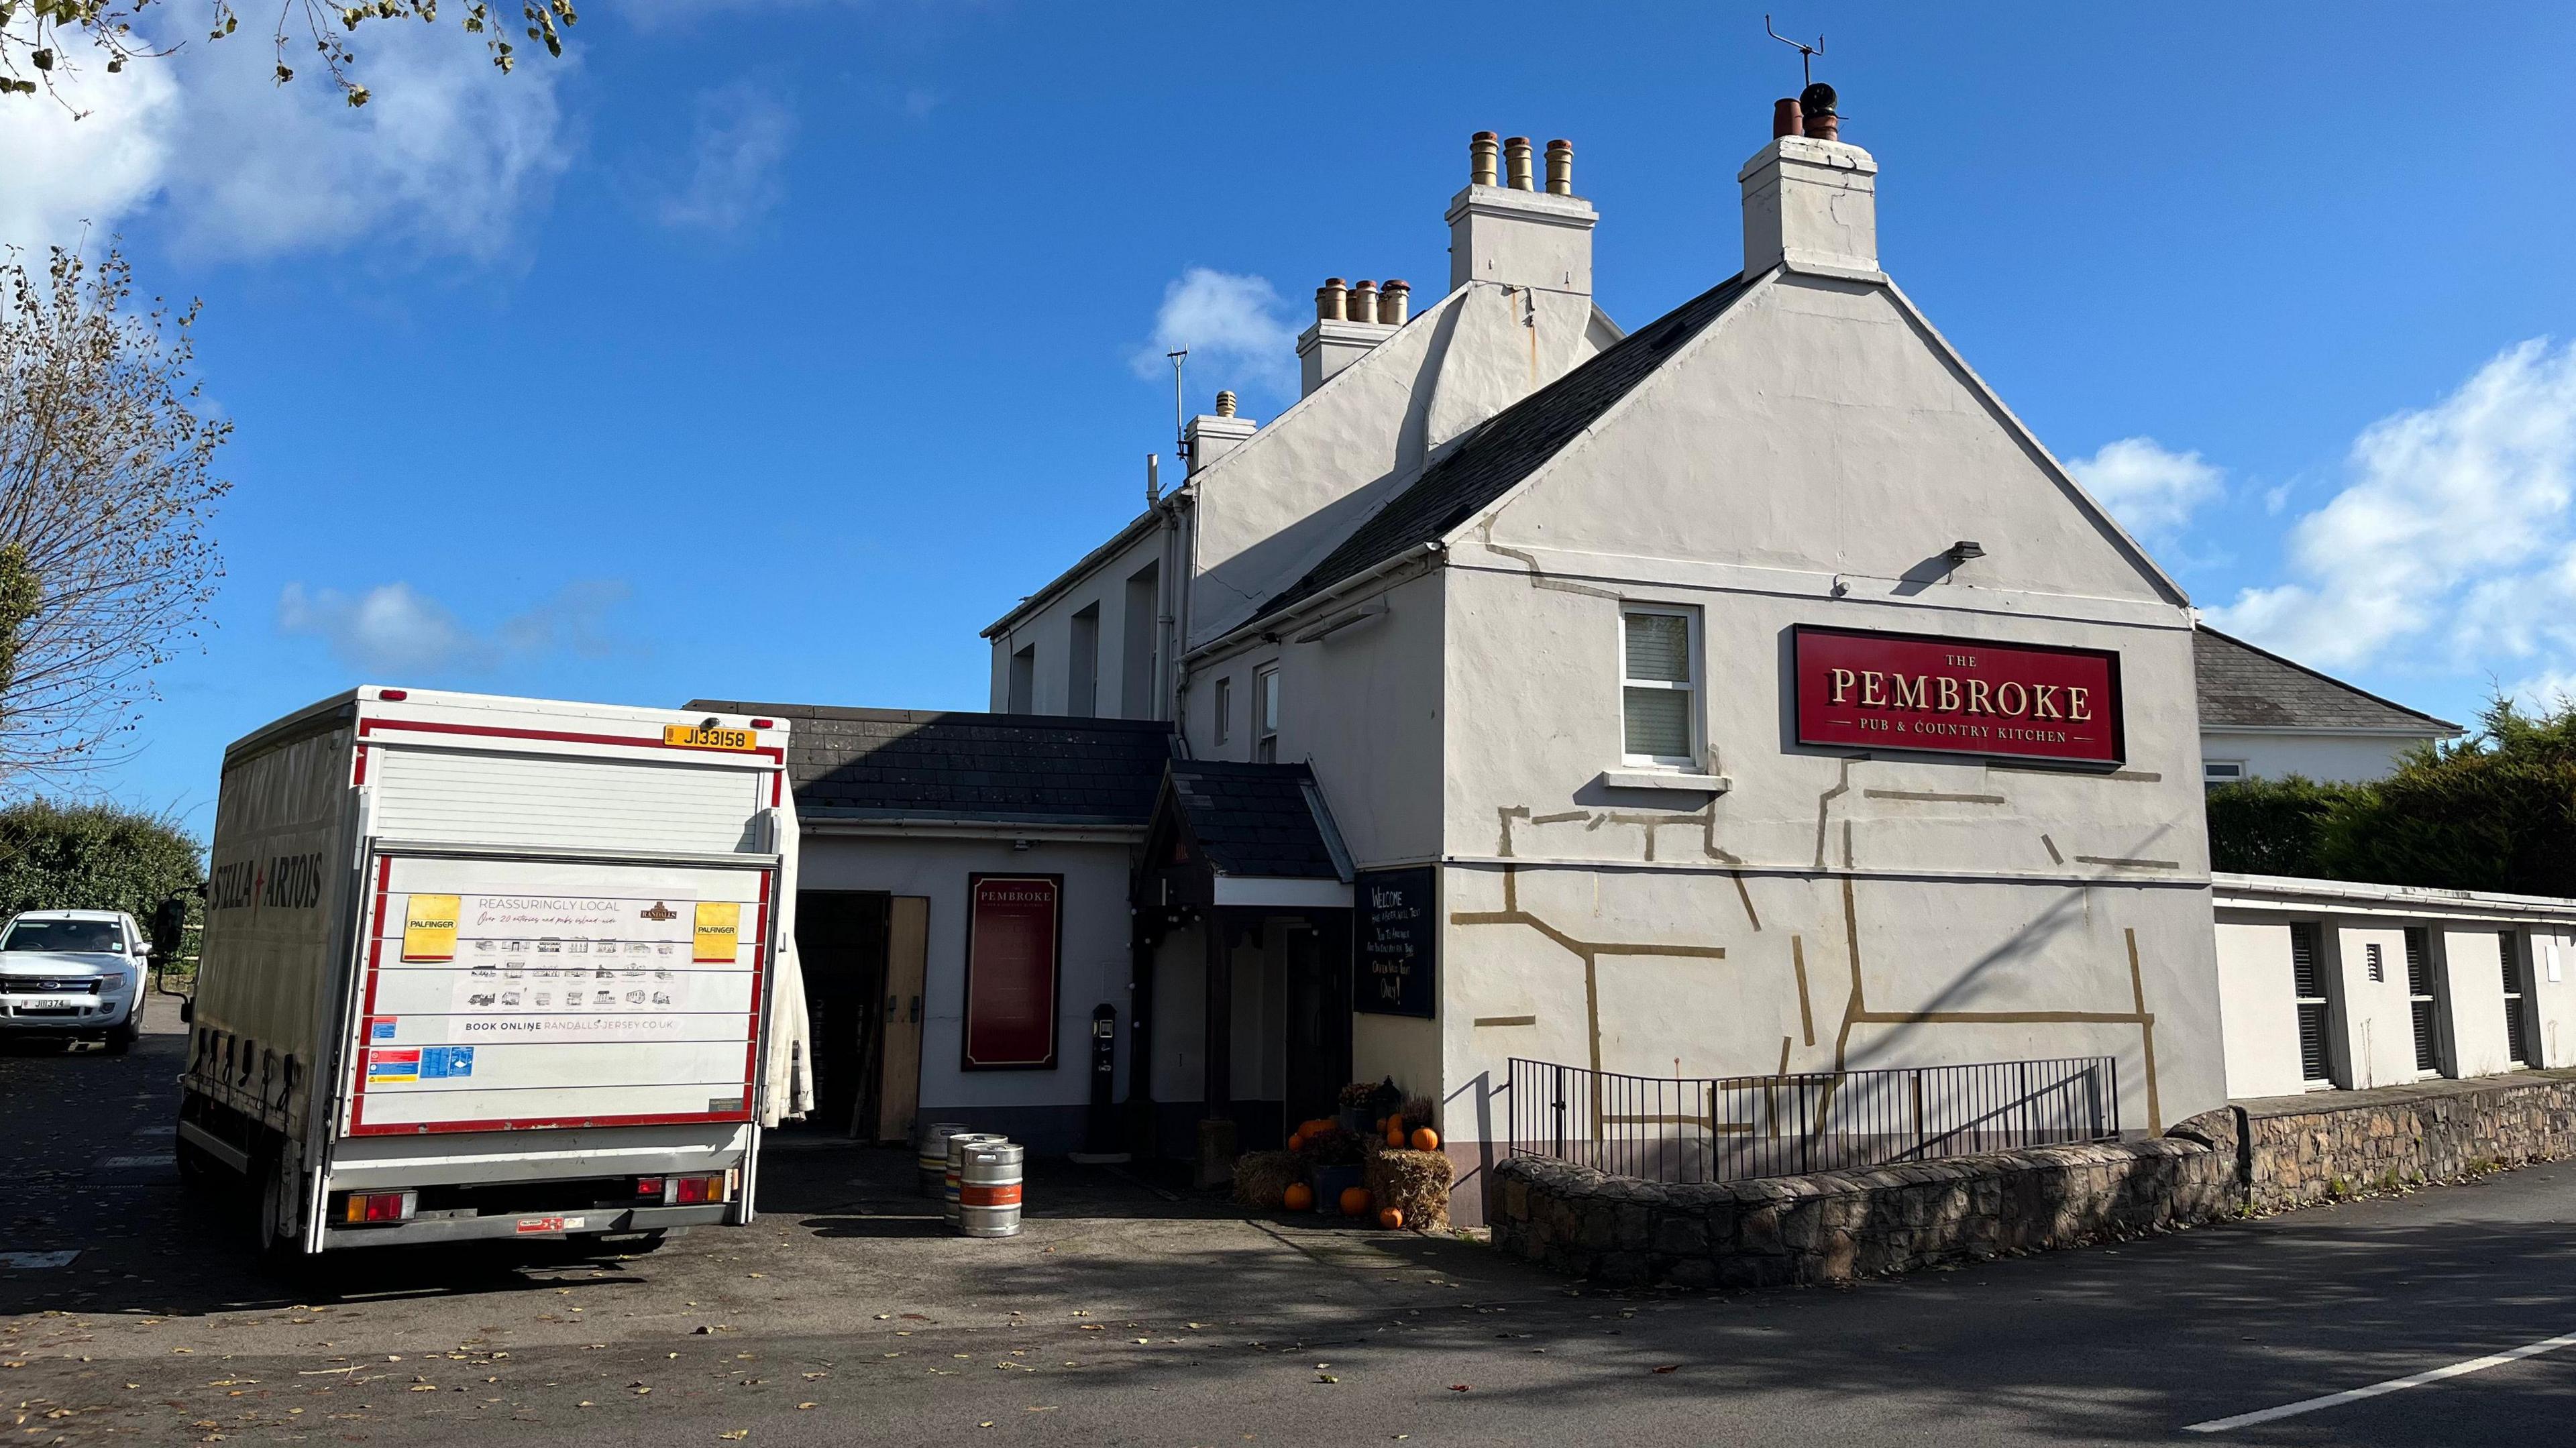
x=2244, y=687
x=1509, y=446
x=998, y=768
x=1257, y=819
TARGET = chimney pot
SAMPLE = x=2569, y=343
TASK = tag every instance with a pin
x=1391, y=301
x=1560, y=168
x=1330, y=301
x=1817, y=104
x=1364, y=301
x=1225, y=403
x=1482, y=149
x=1785, y=120
x=1516, y=155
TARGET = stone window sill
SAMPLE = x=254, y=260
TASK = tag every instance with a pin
x=1665, y=779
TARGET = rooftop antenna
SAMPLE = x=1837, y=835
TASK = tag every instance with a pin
x=1806, y=53
x=1180, y=423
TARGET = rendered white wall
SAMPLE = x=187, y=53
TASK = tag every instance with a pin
x=1095, y=959
x=1051, y=629
x=2378, y=1023
x=2258, y=1009
x=2327, y=758
x=1818, y=436
x=2472, y=964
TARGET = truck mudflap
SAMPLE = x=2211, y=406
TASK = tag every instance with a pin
x=542, y=1226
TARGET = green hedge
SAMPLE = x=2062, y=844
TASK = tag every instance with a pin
x=94, y=857
x=2273, y=826
x=2496, y=812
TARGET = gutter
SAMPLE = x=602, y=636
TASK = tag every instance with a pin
x=1313, y=602
x=2352, y=897
x=1068, y=831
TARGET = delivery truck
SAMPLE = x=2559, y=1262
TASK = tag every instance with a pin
x=481, y=967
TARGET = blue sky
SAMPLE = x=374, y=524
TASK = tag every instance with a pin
x=772, y=350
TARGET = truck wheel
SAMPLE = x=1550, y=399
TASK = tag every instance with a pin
x=270, y=1197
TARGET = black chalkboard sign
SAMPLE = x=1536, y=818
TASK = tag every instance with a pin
x=1396, y=944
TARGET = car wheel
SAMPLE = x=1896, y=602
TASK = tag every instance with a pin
x=121, y=1040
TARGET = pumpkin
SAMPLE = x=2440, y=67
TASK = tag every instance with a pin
x=1395, y=1134
x=1426, y=1139
x=1390, y=1218
x=1300, y=1197
x=1297, y=1141
x=1355, y=1201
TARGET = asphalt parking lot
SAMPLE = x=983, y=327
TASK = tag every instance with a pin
x=1124, y=1314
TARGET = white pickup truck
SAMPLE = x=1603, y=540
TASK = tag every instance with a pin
x=493, y=967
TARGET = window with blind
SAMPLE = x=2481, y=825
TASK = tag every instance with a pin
x=2308, y=980
x=1265, y=715
x=1659, y=687
x=2421, y=1002
x=2517, y=1035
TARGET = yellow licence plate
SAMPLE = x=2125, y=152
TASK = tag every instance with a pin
x=690, y=736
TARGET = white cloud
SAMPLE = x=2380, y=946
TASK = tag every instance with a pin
x=742, y=136
x=1233, y=327
x=445, y=160
x=2151, y=490
x=65, y=171
x=395, y=629
x=2453, y=544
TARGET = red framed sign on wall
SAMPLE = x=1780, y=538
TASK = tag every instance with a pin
x=1014, y=958
x=1874, y=690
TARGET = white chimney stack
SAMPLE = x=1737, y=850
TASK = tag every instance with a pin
x=1349, y=320
x=1516, y=234
x=1211, y=436
x=1812, y=203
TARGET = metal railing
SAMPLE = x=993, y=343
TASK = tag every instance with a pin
x=1732, y=1127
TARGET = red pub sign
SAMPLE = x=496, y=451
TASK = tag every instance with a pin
x=1957, y=696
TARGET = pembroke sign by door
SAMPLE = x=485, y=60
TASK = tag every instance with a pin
x=1873, y=690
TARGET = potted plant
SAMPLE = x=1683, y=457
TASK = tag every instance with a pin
x=1356, y=1106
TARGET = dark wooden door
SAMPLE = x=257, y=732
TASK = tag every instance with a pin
x=841, y=941
x=1319, y=1015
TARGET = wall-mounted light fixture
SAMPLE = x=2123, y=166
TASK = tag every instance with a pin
x=1963, y=550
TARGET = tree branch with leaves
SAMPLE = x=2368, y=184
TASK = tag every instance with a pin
x=107, y=488
x=42, y=41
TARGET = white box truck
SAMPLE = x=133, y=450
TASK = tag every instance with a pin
x=488, y=967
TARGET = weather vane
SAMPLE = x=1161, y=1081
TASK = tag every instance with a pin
x=1806, y=53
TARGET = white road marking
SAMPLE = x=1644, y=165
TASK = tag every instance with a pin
x=2411, y=1380
x=22, y=1261
x=163, y=1159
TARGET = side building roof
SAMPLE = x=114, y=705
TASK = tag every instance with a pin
x=2243, y=687
x=919, y=764
x=1509, y=446
x=1258, y=819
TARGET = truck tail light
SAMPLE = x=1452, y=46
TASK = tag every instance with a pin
x=648, y=1186
x=365, y=1207
x=690, y=1191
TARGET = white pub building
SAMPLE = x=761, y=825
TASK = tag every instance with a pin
x=1741, y=691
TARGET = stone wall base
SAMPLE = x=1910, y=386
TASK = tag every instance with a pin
x=1837, y=1226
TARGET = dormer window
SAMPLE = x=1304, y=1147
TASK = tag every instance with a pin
x=1659, y=686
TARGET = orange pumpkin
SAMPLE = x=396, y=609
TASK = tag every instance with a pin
x=1300, y=1198
x=1297, y=1141
x=1426, y=1139
x=1390, y=1218
x=1355, y=1201
x=1395, y=1135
